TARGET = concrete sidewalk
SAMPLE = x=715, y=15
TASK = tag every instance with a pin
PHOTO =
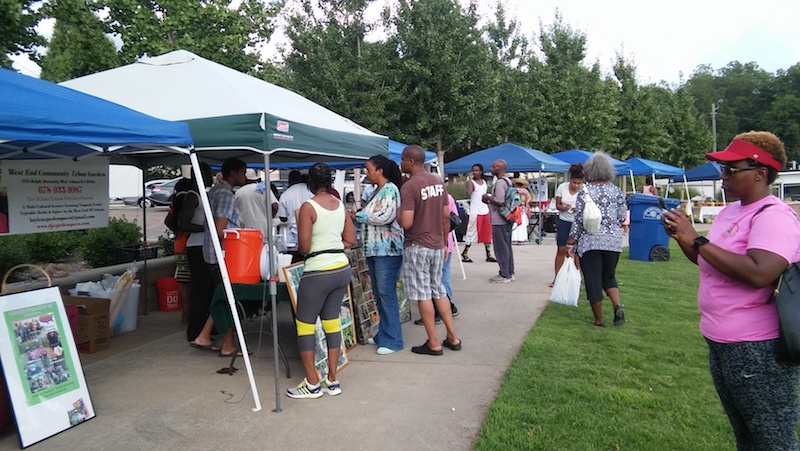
x=165, y=395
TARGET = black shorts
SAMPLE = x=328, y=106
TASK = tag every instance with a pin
x=599, y=273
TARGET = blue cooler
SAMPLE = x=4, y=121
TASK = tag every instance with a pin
x=648, y=241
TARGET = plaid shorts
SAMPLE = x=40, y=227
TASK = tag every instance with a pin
x=422, y=273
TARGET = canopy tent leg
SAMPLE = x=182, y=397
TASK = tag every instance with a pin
x=273, y=286
x=226, y=281
x=458, y=252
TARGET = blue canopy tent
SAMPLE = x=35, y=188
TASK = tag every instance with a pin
x=640, y=166
x=517, y=158
x=41, y=120
x=708, y=171
x=581, y=156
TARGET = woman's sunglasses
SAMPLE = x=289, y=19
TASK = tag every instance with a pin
x=729, y=171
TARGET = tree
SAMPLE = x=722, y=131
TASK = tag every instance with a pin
x=213, y=29
x=443, y=75
x=688, y=135
x=17, y=35
x=329, y=61
x=641, y=129
x=79, y=46
x=576, y=107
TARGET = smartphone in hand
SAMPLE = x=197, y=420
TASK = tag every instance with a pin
x=661, y=203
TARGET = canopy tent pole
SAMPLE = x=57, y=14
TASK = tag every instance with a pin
x=226, y=281
x=541, y=221
x=273, y=286
x=633, y=182
x=143, y=162
x=440, y=171
x=688, y=210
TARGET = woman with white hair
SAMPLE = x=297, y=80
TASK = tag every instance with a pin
x=599, y=252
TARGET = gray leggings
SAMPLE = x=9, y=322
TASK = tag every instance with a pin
x=320, y=295
x=758, y=393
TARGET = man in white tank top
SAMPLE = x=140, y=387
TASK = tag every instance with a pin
x=479, y=227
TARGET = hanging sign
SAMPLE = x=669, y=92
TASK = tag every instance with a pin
x=52, y=195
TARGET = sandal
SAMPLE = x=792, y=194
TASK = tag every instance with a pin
x=491, y=259
x=466, y=259
x=552, y=283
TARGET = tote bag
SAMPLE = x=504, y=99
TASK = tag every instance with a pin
x=591, y=213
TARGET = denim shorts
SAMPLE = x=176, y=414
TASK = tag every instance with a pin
x=562, y=231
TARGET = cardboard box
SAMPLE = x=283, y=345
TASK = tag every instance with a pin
x=94, y=332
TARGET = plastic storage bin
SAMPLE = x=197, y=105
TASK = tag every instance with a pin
x=648, y=240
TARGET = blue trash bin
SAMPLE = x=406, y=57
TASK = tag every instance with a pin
x=648, y=241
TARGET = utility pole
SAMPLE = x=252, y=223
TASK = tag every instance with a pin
x=714, y=110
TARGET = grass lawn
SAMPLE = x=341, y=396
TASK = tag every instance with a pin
x=642, y=386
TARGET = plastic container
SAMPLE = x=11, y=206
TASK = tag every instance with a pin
x=243, y=254
x=648, y=240
x=168, y=298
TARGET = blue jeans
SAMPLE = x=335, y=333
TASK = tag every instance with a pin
x=385, y=272
x=448, y=286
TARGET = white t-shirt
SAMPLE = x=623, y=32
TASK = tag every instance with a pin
x=291, y=200
x=567, y=199
x=476, y=205
x=253, y=208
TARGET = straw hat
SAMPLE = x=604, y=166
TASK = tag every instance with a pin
x=520, y=181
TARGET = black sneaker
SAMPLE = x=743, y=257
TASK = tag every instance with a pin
x=454, y=309
x=619, y=315
x=420, y=323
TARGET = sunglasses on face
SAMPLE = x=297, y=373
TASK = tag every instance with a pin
x=729, y=171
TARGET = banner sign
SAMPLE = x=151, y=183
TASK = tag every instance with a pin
x=41, y=365
x=52, y=195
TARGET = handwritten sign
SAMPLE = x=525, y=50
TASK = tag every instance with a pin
x=51, y=195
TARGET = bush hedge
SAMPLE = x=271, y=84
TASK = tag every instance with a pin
x=96, y=246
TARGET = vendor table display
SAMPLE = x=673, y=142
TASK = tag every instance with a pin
x=365, y=309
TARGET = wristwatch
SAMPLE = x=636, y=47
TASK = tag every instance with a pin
x=699, y=241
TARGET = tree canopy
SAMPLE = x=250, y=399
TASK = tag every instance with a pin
x=432, y=72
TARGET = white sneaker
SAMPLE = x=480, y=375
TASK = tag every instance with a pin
x=331, y=388
x=499, y=279
x=305, y=391
x=513, y=279
x=370, y=341
x=383, y=351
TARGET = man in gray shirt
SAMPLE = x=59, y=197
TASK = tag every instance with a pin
x=501, y=229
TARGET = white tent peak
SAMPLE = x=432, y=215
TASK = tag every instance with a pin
x=167, y=87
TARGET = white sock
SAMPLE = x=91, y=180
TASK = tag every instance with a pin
x=312, y=386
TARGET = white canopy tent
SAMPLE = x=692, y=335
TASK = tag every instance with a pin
x=233, y=115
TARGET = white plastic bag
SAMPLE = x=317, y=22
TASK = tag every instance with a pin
x=567, y=287
x=591, y=213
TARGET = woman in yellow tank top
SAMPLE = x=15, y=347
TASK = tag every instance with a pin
x=323, y=232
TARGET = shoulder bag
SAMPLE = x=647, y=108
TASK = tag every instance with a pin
x=592, y=217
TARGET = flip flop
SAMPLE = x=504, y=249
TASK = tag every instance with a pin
x=551, y=284
x=212, y=347
x=238, y=354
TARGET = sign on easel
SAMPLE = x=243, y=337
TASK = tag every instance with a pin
x=40, y=361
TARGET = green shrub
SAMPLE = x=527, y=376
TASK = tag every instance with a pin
x=13, y=251
x=167, y=243
x=100, y=245
x=53, y=246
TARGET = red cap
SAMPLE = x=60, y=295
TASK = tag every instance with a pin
x=743, y=150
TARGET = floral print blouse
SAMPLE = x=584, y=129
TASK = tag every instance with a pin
x=611, y=201
x=383, y=236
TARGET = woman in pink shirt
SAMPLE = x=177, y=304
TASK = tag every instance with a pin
x=749, y=245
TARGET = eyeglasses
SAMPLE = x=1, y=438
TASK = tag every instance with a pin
x=729, y=171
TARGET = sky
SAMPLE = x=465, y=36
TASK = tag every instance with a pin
x=667, y=40
x=664, y=40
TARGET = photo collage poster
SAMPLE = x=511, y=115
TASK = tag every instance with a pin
x=41, y=365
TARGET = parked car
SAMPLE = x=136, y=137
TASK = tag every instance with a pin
x=160, y=194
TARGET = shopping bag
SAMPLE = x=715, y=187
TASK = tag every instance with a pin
x=567, y=286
